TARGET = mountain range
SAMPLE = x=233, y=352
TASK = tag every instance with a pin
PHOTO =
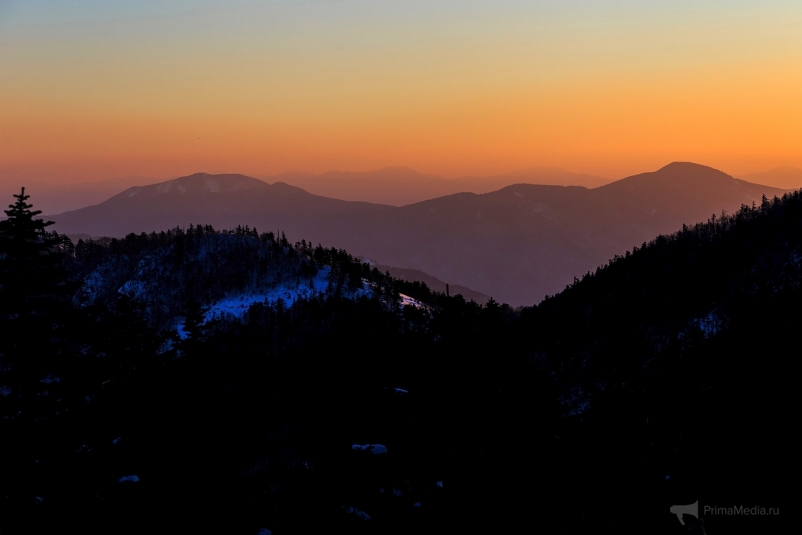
x=396, y=186
x=517, y=244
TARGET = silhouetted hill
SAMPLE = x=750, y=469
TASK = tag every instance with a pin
x=516, y=244
x=433, y=283
x=218, y=200
x=673, y=360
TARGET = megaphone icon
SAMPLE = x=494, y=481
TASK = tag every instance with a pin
x=691, y=509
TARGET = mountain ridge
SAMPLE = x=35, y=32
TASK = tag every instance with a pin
x=516, y=244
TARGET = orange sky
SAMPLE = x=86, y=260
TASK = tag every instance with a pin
x=168, y=88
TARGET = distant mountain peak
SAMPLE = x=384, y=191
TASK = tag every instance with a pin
x=685, y=167
x=228, y=177
x=200, y=182
x=692, y=177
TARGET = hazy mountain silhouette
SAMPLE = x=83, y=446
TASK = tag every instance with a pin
x=435, y=284
x=220, y=200
x=781, y=177
x=399, y=186
x=516, y=244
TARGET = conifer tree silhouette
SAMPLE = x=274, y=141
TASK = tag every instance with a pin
x=34, y=296
x=194, y=318
x=31, y=270
x=34, y=313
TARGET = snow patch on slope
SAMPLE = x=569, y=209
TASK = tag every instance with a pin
x=142, y=283
x=575, y=401
x=235, y=306
x=709, y=324
x=165, y=187
x=238, y=305
x=212, y=185
x=409, y=301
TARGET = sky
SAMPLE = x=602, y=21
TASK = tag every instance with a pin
x=91, y=90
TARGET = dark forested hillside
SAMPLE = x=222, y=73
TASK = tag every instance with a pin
x=675, y=360
x=237, y=382
x=516, y=244
x=168, y=271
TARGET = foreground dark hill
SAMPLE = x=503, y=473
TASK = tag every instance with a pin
x=517, y=244
x=661, y=378
x=674, y=363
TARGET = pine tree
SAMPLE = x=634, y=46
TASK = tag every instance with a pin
x=34, y=297
x=194, y=317
x=32, y=274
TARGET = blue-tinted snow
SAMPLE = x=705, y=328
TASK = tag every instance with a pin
x=50, y=378
x=356, y=512
x=709, y=324
x=290, y=292
x=237, y=305
x=575, y=401
x=143, y=281
x=182, y=334
x=375, y=449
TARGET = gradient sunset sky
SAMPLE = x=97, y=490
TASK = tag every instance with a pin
x=98, y=89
